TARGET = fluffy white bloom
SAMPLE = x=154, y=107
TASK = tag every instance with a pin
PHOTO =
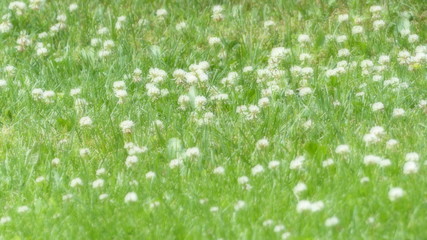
x=100, y=171
x=219, y=170
x=413, y=38
x=262, y=144
x=98, y=183
x=40, y=179
x=332, y=221
x=131, y=160
x=273, y=164
x=342, y=149
x=300, y=187
x=342, y=17
x=395, y=193
x=214, y=40
x=76, y=182
x=175, y=163
x=297, y=163
x=161, y=12
x=377, y=106
x=412, y=157
x=193, y=152
x=305, y=91
x=357, y=30
x=410, y=167
x=23, y=209
x=150, y=175
x=239, y=205
x=304, y=38
x=55, y=161
x=257, y=169
x=84, y=152
x=73, y=7
x=5, y=219
x=243, y=180
x=131, y=197
x=391, y=143
x=328, y=162
x=127, y=126
x=398, y=112
x=85, y=121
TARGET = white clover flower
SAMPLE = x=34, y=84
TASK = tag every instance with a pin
x=304, y=38
x=269, y=23
x=375, y=9
x=18, y=7
x=297, y=163
x=279, y=228
x=328, y=162
x=332, y=221
x=131, y=160
x=23, y=209
x=239, y=205
x=127, y=126
x=300, y=187
x=342, y=149
x=357, y=30
x=377, y=106
x=413, y=38
x=285, y=235
x=200, y=102
x=219, y=170
x=378, y=24
x=344, y=52
x=67, y=197
x=5, y=219
x=214, y=209
x=103, y=196
x=214, y=40
x=372, y=160
x=84, y=152
x=303, y=206
x=192, y=153
x=395, y=193
x=342, y=18
x=150, y=175
x=161, y=12
x=391, y=143
x=262, y=144
x=85, y=121
x=412, y=157
x=55, y=161
x=40, y=179
x=273, y=164
x=98, y=183
x=267, y=222
x=76, y=182
x=398, y=112
x=100, y=171
x=305, y=91
x=175, y=163
x=243, y=180
x=257, y=170
x=180, y=26
x=410, y=167
x=73, y=7
x=131, y=197
x=341, y=38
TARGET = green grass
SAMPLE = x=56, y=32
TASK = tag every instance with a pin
x=34, y=132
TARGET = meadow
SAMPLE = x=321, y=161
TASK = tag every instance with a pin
x=187, y=119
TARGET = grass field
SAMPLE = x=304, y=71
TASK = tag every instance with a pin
x=185, y=119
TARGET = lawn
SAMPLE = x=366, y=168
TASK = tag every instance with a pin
x=188, y=119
